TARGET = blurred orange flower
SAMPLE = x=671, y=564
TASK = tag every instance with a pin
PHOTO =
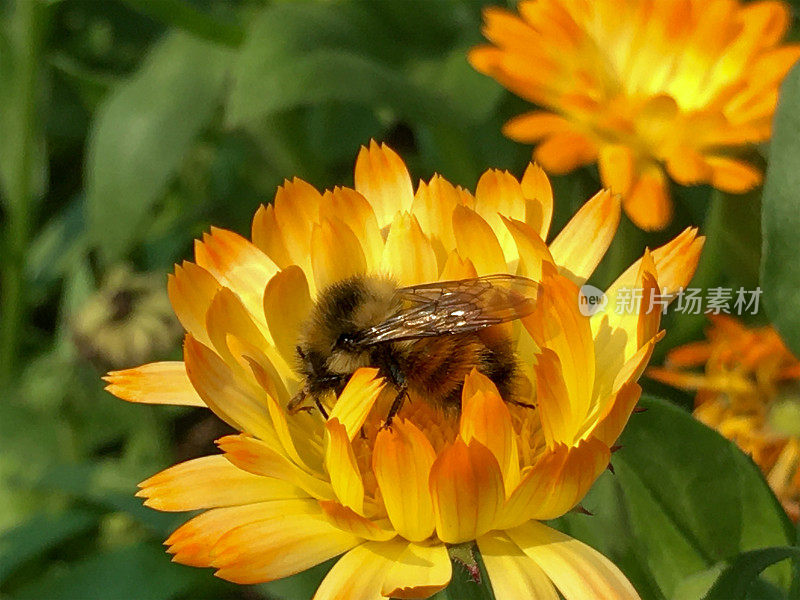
x=748, y=392
x=645, y=88
x=292, y=491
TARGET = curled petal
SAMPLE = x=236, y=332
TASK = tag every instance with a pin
x=408, y=254
x=539, y=194
x=476, y=240
x=401, y=460
x=467, y=489
x=357, y=399
x=419, y=572
x=559, y=479
x=342, y=468
x=347, y=520
x=287, y=304
x=357, y=213
x=191, y=290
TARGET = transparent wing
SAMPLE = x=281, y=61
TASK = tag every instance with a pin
x=450, y=307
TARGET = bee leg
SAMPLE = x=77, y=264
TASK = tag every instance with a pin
x=321, y=408
x=522, y=404
x=402, y=393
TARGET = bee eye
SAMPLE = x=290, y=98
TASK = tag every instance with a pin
x=346, y=341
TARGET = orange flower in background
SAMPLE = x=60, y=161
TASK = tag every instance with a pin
x=748, y=392
x=294, y=490
x=645, y=88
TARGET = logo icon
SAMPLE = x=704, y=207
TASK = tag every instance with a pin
x=591, y=300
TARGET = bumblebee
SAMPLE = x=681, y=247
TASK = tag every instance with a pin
x=423, y=339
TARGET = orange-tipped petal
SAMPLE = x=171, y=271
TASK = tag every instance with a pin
x=267, y=236
x=237, y=264
x=583, y=242
x=532, y=250
x=617, y=411
x=433, y=207
x=556, y=483
x=191, y=290
x=467, y=489
x=733, y=176
x=193, y=543
x=534, y=126
x=296, y=208
x=208, y=482
x=563, y=152
x=154, y=383
x=499, y=195
x=456, y=268
x=617, y=167
x=578, y=571
x=485, y=417
x=355, y=211
x=277, y=547
x=382, y=177
x=401, y=460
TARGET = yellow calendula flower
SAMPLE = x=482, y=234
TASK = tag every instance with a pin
x=748, y=391
x=645, y=88
x=294, y=490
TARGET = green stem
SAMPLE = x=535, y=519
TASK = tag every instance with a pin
x=22, y=104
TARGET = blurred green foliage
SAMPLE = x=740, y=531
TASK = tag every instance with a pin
x=127, y=127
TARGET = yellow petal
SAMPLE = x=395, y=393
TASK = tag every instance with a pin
x=257, y=457
x=215, y=382
x=499, y=195
x=401, y=460
x=467, y=490
x=408, y=255
x=560, y=421
x=648, y=204
x=583, y=242
x=237, y=264
x=193, y=543
x=154, y=383
x=456, y=268
x=336, y=253
x=433, y=207
x=476, y=241
x=533, y=252
x=359, y=574
x=557, y=324
x=208, y=482
x=296, y=211
x=563, y=152
x=267, y=236
x=512, y=573
x=382, y=177
x=277, y=547
x=347, y=520
x=618, y=409
x=532, y=127
x=485, y=417
x=355, y=211
x=342, y=467
x=579, y=572
x=616, y=164
x=355, y=402
x=287, y=304
x=419, y=572
x=687, y=166
x=539, y=193
x=191, y=290
x=558, y=480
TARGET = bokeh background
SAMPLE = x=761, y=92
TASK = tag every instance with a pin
x=128, y=127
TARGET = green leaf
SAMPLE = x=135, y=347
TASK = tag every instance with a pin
x=741, y=572
x=143, y=131
x=682, y=500
x=780, y=217
x=39, y=534
x=142, y=571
